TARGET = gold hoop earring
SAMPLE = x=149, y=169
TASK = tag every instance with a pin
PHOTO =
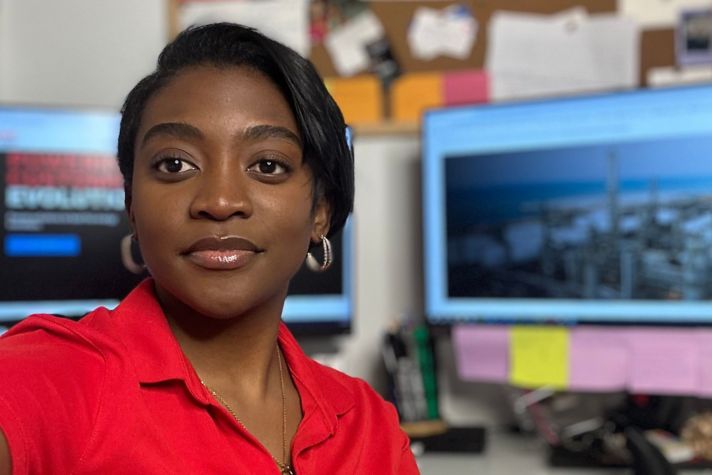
x=313, y=264
x=127, y=258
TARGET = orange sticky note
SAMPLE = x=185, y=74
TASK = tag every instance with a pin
x=360, y=98
x=412, y=93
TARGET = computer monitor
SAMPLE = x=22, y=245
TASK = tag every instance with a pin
x=62, y=205
x=592, y=209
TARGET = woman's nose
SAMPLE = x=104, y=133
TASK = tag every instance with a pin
x=220, y=195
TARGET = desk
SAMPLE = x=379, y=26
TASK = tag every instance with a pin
x=511, y=454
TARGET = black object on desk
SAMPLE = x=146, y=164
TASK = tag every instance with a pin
x=454, y=439
x=647, y=458
x=561, y=457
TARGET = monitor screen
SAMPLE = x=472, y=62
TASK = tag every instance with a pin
x=62, y=204
x=592, y=209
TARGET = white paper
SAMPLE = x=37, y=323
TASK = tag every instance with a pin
x=447, y=32
x=286, y=21
x=533, y=55
x=346, y=43
x=670, y=76
x=651, y=14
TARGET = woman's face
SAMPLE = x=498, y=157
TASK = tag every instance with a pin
x=222, y=202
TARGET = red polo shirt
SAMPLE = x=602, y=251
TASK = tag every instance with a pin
x=114, y=393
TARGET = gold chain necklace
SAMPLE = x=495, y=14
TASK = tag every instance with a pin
x=284, y=467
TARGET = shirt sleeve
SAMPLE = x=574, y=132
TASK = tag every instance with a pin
x=408, y=466
x=50, y=384
x=387, y=432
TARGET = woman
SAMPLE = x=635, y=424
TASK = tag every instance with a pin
x=235, y=163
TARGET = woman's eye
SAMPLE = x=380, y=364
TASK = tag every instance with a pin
x=269, y=167
x=174, y=165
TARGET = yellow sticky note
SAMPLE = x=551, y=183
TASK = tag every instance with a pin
x=412, y=93
x=360, y=98
x=539, y=356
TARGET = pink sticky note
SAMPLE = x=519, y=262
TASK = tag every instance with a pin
x=599, y=359
x=466, y=87
x=664, y=361
x=482, y=352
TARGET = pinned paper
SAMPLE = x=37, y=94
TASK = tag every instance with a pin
x=533, y=55
x=447, y=32
x=482, y=352
x=664, y=361
x=360, y=98
x=539, y=356
x=599, y=359
x=347, y=43
x=670, y=76
x=466, y=87
x=286, y=21
x=412, y=93
x=651, y=14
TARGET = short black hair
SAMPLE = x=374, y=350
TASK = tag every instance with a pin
x=321, y=124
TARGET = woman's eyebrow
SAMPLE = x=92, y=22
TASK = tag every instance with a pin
x=182, y=130
x=266, y=131
x=178, y=130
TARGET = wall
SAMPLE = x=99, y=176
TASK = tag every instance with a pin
x=91, y=52
x=77, y=52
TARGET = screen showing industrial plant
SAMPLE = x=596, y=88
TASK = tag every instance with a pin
x=592, y=209
x=63, y=224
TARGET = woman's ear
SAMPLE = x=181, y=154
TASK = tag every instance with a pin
x=129, y=214
x=322, y=220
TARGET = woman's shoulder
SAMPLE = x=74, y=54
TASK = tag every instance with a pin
x=338, y=384
x=58, y=349
x=53, y=374
x=365, y=415
x=40, y=337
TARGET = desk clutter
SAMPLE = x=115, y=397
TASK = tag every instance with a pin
x=656, y=435
x=410, y=366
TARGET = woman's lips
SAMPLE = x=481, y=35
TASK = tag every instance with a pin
x=221, y=253
x=223, y=259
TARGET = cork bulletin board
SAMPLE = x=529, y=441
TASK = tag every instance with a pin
x=657, y=44
x=396, y=16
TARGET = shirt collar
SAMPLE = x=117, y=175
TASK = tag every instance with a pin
x=157, y=357
x=145, y=332
x=316, y=384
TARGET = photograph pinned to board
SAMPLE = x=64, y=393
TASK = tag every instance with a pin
x=450, y=31
x=360, y=45
x=694, y=37
x=325, y=15
x=383, y=63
